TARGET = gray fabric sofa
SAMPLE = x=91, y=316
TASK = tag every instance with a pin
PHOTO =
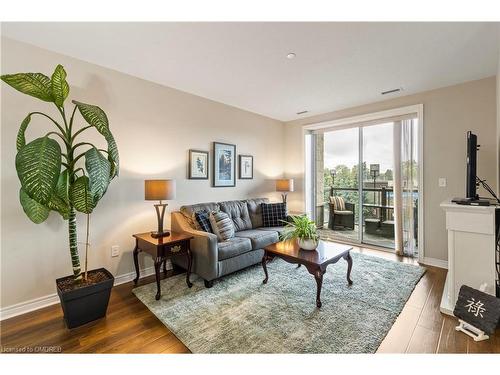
x=213, y=259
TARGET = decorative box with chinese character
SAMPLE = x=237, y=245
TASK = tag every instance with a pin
x=478, y=309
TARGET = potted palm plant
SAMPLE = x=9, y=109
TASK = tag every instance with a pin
x=61, y=172
x=304, y=230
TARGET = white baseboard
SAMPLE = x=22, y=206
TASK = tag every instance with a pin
x=51, y=299
x=126, y=277
x=27, y=306
x=435, y=262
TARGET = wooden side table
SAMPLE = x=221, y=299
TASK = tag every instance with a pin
x=162, y=249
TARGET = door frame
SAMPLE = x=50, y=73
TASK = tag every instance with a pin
x=356, y=121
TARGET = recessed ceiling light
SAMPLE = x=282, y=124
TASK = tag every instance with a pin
x=290, y=56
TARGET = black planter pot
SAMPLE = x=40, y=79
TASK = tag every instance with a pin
x=87, y=303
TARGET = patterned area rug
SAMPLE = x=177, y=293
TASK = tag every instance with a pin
x=239, y=314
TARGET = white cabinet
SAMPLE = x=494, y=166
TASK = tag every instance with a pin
x=471, y=250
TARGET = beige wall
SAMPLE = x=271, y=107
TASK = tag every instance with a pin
x=448, y=113
x=154, y=127
x=498, y=116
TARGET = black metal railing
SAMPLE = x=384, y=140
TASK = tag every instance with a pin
x=380, y=207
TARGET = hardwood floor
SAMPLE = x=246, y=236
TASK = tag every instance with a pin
x=131, y=328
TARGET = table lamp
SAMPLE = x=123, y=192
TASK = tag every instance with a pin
x=159, y=190
x=284, y=185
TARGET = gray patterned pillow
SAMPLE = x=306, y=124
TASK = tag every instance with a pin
x=222, y=225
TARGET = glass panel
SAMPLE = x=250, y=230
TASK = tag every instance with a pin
x=409, y=185
x=378, y=183
x=337, y=162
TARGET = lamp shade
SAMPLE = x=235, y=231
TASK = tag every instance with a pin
x=158, y=190
x=284, y=184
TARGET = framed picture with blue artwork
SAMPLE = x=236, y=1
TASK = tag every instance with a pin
x=224, y=165
x=198, y=165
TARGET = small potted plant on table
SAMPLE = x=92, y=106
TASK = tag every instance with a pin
x=59, y=172
x=304, y=230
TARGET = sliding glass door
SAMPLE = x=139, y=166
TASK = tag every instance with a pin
x=378, y=182
x=339, y=170
x=366, y=184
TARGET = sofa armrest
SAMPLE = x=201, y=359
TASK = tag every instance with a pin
x=203, y=245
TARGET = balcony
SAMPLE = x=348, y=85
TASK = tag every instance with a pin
x=377, y=216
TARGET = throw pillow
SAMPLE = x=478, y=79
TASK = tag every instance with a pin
x=202, y=217
x=273, y=214
x=222, y=225
x=338, y=203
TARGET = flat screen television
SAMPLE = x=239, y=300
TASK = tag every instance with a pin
x=471, y=191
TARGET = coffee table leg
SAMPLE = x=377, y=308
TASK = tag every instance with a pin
x=318, y=275
x=264, y=261
x=348, y=258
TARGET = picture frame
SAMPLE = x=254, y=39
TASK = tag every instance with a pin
x=245, y=167
x=224, y=164
x=198, y=165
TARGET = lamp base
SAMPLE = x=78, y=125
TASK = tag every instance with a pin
x=283, y=197
x=160, y=234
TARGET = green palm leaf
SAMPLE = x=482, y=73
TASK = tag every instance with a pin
x=80, y=195
x=21, y=140
x=113, y=156
x=34, y=84
x=96, y=117
x=56, y=203
x=59, y=201
x=59, y=86
x=62, y=186
x=99, y=169
x=38, y=165
x=35, y=211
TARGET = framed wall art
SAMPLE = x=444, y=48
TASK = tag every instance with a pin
x=246, y=167
x=224, y=164
x=198, y=165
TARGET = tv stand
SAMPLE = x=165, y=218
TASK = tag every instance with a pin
x=472, y=256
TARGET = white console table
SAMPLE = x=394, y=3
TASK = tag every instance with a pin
x=471, y=250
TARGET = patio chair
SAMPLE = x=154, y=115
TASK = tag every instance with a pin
x=341, y=213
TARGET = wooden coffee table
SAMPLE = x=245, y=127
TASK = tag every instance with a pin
x=315, y=261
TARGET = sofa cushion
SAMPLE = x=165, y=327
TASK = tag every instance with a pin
x=203, y=220
x=343, y=212
x=273, y=229
x=238, y=212
x=233, y=247
x=188, y=212
x=273, y=214
x=222, y=225
x=255, y=211
x=259, y=238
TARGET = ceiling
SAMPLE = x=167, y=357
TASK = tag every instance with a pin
x=337, y=65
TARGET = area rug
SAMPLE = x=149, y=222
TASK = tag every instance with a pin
x=239, y=314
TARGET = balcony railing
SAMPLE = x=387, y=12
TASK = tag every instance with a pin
x=378, y=212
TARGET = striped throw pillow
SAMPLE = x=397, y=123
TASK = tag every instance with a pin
x=222, y=225
x=338, y=203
